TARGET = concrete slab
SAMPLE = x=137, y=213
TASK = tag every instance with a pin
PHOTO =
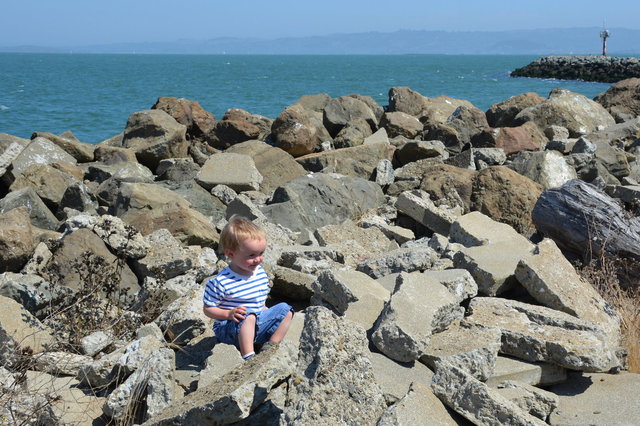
x=531, y=373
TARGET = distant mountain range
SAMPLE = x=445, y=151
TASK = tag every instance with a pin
x=571, y=41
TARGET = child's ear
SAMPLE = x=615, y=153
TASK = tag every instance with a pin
x=228, y=253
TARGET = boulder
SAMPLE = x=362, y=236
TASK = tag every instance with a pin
x=49, y=183
x=96, y=342
x=537, y=402
x=237, y=125
x=235, y=395
x=39, y=214
x=458, y=281
x=449, y=184
x=403, y=99
x=333, y=381
x=506, y=197
x=476, y=401
x=405, y=325
x=82, y=152
x=376, y=108
x=17, y=239
x=276, y=166
x=200, y=123
x=526, y=137
x=237, y=171
x=395, y=379
x=472, y=349
x=359, y=161
x=351, y=294
x=467, y=122
x=292, y=284
x=296, y=132
x=371, y=242
x=154, y=135
x=68, y=268
x=384, y=173
x=577, y=113
x=19, y=331
x=9, y=153
x=398, y=123
x=113, y=154
x=353, y=133
x=344, y=109
x=177, y=169
x=552, y=280
x=548, y=168
x=200, y=199
x=165, y=257
x=537, y=333
x=484, y=157
x=404, y=259
x=503, y=113
x=60, y=363
x=622, y=99
x=38, y=262
x=417, y=150
x=417, y=205
x=33, y=292
x=183, y=320
x=39, y=151
x=302, y=202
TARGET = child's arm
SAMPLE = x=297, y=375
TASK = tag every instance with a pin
x=236, y=314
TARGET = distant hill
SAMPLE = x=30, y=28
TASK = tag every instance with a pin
x=569, y=41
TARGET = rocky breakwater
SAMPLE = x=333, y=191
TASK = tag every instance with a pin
x=606, y=69
x=415, y=241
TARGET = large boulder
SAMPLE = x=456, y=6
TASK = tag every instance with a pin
x=154, y=135
x=503, y=113
x=237, y=171
x=340, y=111
x=333, y=382
x=82, y=152
x=39, y=213
x=17, y=239
x=276, y=166
x=398, y=123
x=296, y=132
x=199, y=123
x=237, y=125
x=450, y=184
x=527, y=137
x=622, y=99
x=548, y=168
x=468, y=122
x=359, y=161
x=303, y=202
x=48, y=182
x=39, y=151
x=506, y=197
x=577, y=113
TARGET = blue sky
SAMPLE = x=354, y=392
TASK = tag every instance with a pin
x=83, y=22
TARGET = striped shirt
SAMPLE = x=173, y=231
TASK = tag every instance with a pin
x=228, y=290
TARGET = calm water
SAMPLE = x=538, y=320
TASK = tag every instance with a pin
x=92, y=95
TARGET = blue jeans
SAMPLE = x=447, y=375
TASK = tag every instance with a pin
x=267, y=322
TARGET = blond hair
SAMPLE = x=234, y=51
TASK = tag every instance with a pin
x=239, y=229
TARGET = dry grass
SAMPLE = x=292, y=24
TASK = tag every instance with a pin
x=617, y=281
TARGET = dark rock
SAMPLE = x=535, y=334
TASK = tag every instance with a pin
x=588, y=68
x=200, y=123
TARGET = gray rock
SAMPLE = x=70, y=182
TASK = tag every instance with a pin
x=39, y=213
x=537, y=333
x=458, y=281
x=417, y=205
x=476, y=401
x=302, y=203
x=39, y=151
x=537, y=402
x=183, y=320
x=292, y=284
x=243, y=205
x=415, y=150
x=395, y=378
x=344, y=109
x=165, y=258
x=17, y=239
x=556, y=133
x=384, y=172
x=82, y=152
x=150, y=386
x=224, y=194
x=472, y=349
x=379, y=135
x=584, y=146
x=223, y=360
x=235, y=395
x=396, y=233
x=409, y=319
x=551, y=279
x=154, y=136
x=33, y=292
x=237, y=171
x=119, y=236
x=38, y=262
x=399, y=260
x=333, y=381
x=548, y=168
x=96, y=342
x=20, y=330
x=489, y=156
x=177, y=169
x=61, y=363
x=530, y=373
x=351, y=294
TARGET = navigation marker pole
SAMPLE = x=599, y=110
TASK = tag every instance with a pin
x=604, y=34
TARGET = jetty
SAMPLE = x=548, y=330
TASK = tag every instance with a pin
x=605, y=69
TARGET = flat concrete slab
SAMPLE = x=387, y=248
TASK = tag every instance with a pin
x=531, y=373
x=597, y=399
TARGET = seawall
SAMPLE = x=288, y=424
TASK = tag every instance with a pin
x=606, y=69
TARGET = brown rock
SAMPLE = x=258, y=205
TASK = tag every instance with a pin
x=200, y=123
x=622, y=99
x=401, y=124
x=527, y=137
x=294, y=131
x=237, y=126
x=449, y=183
x=506, y=197
x=112, y=154
x=358, y=161
x=342, y=110
x=48, y=182
x=503, y=113
x=83, y=152
x=17, y=239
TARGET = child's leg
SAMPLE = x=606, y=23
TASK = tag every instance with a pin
x=282, y=329
x=247, y=334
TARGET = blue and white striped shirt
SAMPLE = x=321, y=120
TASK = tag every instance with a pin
x=228, y=290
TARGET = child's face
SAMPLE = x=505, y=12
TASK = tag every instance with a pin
x=247, y=257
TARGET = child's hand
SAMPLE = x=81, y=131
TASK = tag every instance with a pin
x=237, y=314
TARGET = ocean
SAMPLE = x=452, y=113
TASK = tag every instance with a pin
x=93, y=94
